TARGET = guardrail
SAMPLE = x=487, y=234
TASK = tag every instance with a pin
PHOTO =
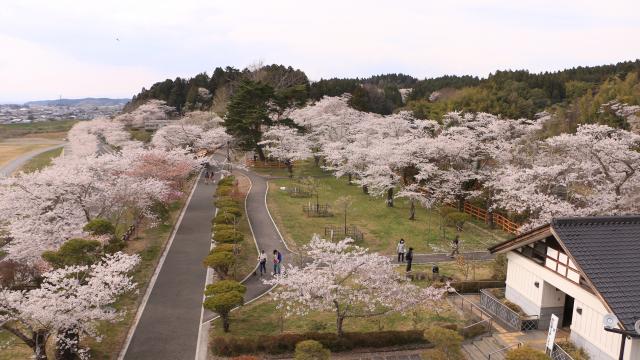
x=499, y=220
x=503, y=313
x=485, y=318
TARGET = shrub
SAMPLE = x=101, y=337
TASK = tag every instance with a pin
x=500, y=267
x=513, y=306
x=233, y=210
x=222, y=227
x=473, y=286
x=526, y=353
x=311, y=350
x=245, y=357
x=447, y=342
x=223, y=218
x=74, y=252
x=227, y=181
x=577, y=353
x=286, y=343
x=100, y=227
x=457, y=219
x=220, y=262
x=114, y=245
x=224, y=190
x=161, y=211
x=223, y=248
x=223, y=286
x=228, y=236
x=222, y=304
x=226, y=202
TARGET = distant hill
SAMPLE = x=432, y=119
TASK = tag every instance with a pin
x=79, y=102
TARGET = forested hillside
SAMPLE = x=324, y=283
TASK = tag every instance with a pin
x=574, y=95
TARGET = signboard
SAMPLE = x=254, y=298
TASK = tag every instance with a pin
x=553, y=328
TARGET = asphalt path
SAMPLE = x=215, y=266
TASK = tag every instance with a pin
x=169, y=324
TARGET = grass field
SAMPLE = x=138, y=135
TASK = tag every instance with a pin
x=263, y=318
x=382, y=226
x=40, y=161
x=248, y=252
x=19, y=130
x=13, y=148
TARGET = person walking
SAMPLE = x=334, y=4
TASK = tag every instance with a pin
x=409, y=258
x=400, y=249
x=206, y=176
x=276, y=262
x=262, y=261
x=455, y=246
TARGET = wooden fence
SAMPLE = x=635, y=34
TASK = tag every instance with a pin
x=499, y=220
x=265, y=164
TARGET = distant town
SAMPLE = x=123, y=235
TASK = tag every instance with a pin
x=62, y=109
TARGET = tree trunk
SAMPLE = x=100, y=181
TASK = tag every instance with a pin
x=225, y=322
x=316, y=161
x=339, y=322
x=390, y=197
x=461, y=204
x=67, y=345
x=349, y=178
x=260, y=153
x=290, y=168
x=365, y=189
x=40, y=344
x=412, y=210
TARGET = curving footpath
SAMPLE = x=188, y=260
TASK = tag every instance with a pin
x=15, y=164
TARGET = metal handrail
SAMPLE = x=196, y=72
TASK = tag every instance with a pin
x=489, y=294
x=489, y=321
x=503, y=349
x=479, y=308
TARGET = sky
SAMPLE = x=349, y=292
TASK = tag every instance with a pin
x=113, y=48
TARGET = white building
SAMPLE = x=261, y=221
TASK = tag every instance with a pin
x=580, y=269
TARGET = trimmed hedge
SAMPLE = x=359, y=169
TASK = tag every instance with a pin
x=468, y=287
x=224, y=190
x=226, y=202
x=228, y=236
x=286, y=343
x=223, y=218
x=222, y=227
x=233, y=210
x=227, y=181
x=223, y=248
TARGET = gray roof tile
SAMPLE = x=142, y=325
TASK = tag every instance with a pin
x=607, y=249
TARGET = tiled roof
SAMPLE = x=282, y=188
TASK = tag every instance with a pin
x=608, y=251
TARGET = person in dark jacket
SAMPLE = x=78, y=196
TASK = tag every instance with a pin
x=409, y=258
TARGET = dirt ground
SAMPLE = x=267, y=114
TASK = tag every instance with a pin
x=12, y=148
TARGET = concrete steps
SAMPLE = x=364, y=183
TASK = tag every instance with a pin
x=480, y=349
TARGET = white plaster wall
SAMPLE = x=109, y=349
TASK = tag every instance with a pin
x=521, y=275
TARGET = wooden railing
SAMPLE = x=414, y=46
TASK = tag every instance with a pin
x=265, y=164
x=500, y=220
x=506, y=224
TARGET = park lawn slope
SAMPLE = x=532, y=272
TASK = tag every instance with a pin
x=382, y=226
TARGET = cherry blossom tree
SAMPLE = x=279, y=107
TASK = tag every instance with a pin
x=285, y=144
x=347, y=280
x=189, y=137
x=592, y=172
x=150, y=110
x=70, y=299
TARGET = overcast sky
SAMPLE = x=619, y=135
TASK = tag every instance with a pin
x=71, y=48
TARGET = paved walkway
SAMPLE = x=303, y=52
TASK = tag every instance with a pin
x=440, y=257
x=18, y=162
x=265, y=233
x=169, y=324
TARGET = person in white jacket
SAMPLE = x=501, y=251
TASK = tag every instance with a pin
x=400, y=249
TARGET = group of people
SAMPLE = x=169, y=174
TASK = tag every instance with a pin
x=276, y=260
x=209, y=173
x=404, y=255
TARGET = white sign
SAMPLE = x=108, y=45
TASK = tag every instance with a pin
x=553, y=328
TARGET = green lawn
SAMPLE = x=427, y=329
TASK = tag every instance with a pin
x=263, y=318
x=40, y=161
x=382, y=226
